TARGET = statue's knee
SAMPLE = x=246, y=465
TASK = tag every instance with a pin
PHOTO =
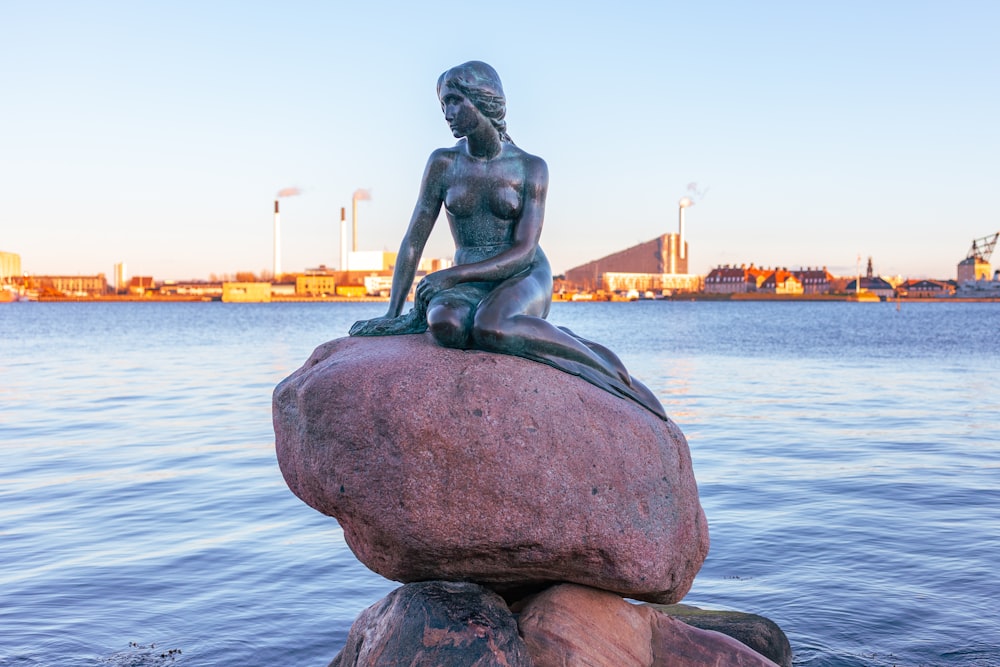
x=448, y=328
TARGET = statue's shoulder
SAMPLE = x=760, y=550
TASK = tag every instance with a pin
x=534, y=167
x=439, y=163
x=516, y=152
x=444, y=154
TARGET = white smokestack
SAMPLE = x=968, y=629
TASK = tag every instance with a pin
x=277, y=242
x=343, y=240
x=684, y=203
x=284, y=192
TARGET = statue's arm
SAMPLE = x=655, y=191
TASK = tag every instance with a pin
x=425, y=214
x=529, y=228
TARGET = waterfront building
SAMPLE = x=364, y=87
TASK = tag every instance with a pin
x=976, y=265
x=379, y=285
x=370, y=275
x=872, y=283
x=729, y=280
x=657, y=265
x=655, y=283
x=341, y=283
x=77, y=286
x=877, y=285
x=974, y=268
x=780, y=281
x=740, y=279
x=121, y=277
x=922, y=289
x=191, y=288
x=246, y=292
x=815, y=281
x=316, y=284
x=284, y=287
x=141, y=285
x=10, y=268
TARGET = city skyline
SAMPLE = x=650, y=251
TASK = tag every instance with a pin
x=159, y=135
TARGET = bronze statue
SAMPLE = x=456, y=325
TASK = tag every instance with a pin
x=497, y=295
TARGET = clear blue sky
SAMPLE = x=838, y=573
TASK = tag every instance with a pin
x=158, y=133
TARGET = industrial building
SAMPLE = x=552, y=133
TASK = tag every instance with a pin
x=10, y=267
x=71, y=285
x=976, y=265
x=246, y=292
x=657, y=266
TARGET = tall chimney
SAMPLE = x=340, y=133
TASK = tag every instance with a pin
x=681, y=205
x=343, y=240
x=277, y=242
x=680, y=229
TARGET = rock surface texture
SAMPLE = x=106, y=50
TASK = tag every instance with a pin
x=761, y=634
x=574, y=625
x=437, y=623
x=455, y=624
x=465, y=465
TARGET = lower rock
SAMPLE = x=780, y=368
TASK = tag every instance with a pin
x=576, y=625
x=436, y=623
x=761, y=634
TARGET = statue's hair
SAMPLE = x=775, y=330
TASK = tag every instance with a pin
x=481, y=84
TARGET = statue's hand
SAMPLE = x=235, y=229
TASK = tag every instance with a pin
x=433, y=284
x=370, y=327
x=410, y=323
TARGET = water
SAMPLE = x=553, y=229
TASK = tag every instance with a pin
x=847, y=456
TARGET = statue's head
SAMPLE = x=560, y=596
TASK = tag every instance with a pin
x=481, y=84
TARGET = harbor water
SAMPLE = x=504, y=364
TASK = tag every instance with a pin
x=847, y=457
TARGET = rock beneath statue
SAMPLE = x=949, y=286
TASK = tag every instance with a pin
x=464, y=465
x=759, y=633
x=446, y=624
x=575, y=625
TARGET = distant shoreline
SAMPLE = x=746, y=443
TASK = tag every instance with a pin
x=377, y=299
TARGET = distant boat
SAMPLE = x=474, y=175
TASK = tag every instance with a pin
x=979, y=288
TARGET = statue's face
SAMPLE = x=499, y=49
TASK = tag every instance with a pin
x=462, y=115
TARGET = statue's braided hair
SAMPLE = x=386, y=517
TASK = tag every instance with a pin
x=481, y=84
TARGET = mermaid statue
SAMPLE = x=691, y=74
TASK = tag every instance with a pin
x=497, y=294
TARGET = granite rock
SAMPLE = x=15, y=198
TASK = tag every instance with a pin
x=446, y=624
x=569, y=626
x=464, y=465
x=759, y=633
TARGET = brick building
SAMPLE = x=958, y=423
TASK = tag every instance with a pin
x=658, y=264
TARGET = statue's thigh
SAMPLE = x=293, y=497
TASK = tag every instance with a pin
x=520, y=295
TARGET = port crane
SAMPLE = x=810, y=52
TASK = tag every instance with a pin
x=982, y=248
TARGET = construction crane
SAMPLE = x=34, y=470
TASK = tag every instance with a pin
x=982, y=248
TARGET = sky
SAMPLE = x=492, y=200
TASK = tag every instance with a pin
x=809, y=133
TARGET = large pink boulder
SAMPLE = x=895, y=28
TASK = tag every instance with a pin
x=465, y=465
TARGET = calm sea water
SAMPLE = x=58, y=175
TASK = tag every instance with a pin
x=847, y=455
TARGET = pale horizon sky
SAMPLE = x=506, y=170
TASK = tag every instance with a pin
x=158, y=133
